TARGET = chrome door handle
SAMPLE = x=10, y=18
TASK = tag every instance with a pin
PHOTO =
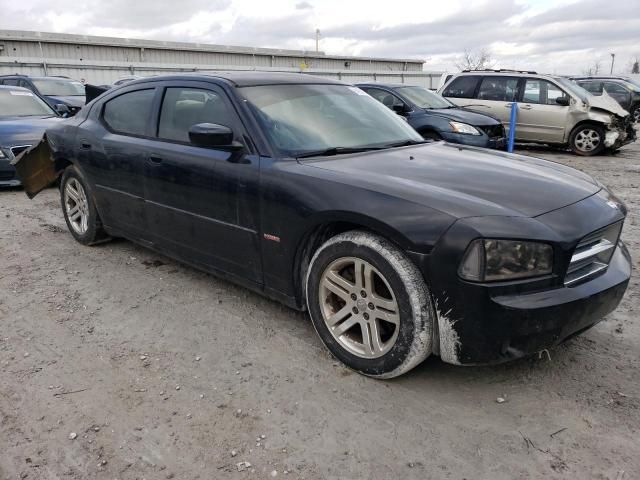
x=526, y=107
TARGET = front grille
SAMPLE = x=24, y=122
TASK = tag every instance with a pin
x=18, y=149
x=493, y=131
x=592, y=255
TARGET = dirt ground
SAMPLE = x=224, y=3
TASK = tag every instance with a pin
x=160, y=371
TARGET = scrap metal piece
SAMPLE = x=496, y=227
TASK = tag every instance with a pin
x=36, y=168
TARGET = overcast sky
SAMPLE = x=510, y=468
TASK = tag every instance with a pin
x=556, y=36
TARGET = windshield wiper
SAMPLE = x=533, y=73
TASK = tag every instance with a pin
x=405, y=144
x=337, y=151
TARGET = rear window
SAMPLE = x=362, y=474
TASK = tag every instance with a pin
x=129, y=113
x=461, y=87
x=498, y=89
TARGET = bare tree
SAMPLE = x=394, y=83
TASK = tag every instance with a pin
x=593, y=69
x=475, y=60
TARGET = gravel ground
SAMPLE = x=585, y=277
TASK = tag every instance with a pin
x=118, y=363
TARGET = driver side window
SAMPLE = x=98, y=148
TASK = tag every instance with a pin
x=389, y=100
x=184, y=107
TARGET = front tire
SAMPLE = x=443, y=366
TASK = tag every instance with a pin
x=79, y=208
x=587, y=140
x=370, y=305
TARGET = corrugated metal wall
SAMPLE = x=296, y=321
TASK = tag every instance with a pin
x=101, y=60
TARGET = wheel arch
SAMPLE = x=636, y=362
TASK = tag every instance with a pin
x=328, y=225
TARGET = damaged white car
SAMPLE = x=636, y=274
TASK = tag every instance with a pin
x=551, y=110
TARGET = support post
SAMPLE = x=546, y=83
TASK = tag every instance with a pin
x=512, y=126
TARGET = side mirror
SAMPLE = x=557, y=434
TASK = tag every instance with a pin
x=564, y=101
x=62, y=109
x=212, y=135
x=399, y=108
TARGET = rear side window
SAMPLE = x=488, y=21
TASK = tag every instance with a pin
x=461, y=87
x=594, y=88
x=499, y=89
x=184, y=107
x=11, y=81
x=129, y=113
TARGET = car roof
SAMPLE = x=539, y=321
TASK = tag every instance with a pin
x=600, y=77
x=245, y=78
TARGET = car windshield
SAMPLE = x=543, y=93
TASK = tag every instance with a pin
x=58, y=87
x=22, y=103
x=424, y=98
x=631, y=85
x=573, y=88
x=302, y=119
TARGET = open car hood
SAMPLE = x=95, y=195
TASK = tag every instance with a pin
x=606, y=102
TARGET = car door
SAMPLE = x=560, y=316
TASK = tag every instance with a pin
x=202, y=203
x=495, y=96
x=619, y=93
x=112, y=149
x=540, y=117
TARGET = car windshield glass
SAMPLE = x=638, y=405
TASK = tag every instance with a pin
x=423, y=98
x=573, y=88
x=58, y=87
x=631, y=85
x=22, y=103
x=301, y=119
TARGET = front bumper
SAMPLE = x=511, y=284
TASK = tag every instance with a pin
x=484, y=141
x=493, y=322
x=518, y=325
x=8, y=176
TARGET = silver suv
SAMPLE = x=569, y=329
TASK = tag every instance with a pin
x=551, y=109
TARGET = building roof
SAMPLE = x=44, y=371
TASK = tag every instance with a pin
x=23, y=35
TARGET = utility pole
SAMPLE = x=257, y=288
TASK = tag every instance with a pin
x=317, y=40
x=613, y=58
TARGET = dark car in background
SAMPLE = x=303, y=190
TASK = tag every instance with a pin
x=24, y=117
x=436, y=118
x=313, y=193
x=625, y=91
x=56, y=91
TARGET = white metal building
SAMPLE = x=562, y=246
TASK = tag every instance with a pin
x=102, y=60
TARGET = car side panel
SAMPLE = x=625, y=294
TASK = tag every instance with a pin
x=296, y=202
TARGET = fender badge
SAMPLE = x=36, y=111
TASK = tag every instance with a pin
x=273, y=238
x=612, y=204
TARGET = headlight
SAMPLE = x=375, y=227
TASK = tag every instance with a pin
x=464, y=128
x=493, y=260
x=2, y=155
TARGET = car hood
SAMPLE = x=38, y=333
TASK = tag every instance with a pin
x=464, y=116
x=606, y=102
x=461, y=181
x=73, y=101
x=24, y=130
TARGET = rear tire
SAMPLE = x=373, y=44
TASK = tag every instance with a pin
x=587, y=140
x=370, y=305
x=79, y=208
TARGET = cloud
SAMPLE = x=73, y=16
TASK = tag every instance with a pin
x=562, y=36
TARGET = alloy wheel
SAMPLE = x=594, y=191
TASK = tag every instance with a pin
x=76, y=206
x=359, y=307
x=587, y=140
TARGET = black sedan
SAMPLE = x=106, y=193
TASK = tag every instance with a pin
x=316, y=195
x=23, y=119
x=436, y=118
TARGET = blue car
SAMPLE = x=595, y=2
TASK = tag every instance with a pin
x=24, y=117
x=436, y=118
